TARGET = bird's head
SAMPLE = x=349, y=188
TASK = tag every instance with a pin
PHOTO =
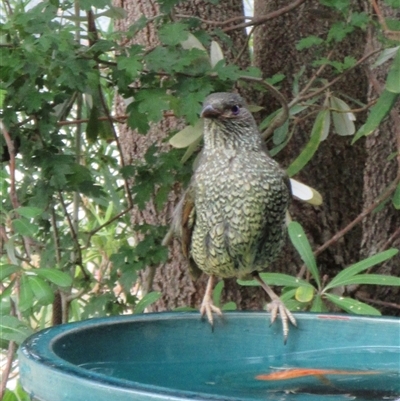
x=228, y=122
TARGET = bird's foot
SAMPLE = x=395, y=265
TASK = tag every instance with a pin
x=208, y=308
x=277, y=306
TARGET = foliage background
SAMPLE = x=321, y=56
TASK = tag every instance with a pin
x=88, y=110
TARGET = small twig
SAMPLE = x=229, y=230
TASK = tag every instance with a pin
x=391, y=239
x=13, y=191
x=282, y=116
x=11, y=152
x=5, y=374
x=311, y=81
x=254, y=21
x=74, y=236
x=338, y=78
x=245, y=46
x=213, y=22
x=56, y=237
x=265, y=18
x=385, y=195
x=7, y=369
x=377, y=301
x=118, y=119
x=116, y=217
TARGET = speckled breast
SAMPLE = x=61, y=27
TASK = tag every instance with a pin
x=241, y=199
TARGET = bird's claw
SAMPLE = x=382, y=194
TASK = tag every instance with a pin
x=277, y=306
x=208, y=308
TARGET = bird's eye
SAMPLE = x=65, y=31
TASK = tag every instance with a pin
x=235, y=110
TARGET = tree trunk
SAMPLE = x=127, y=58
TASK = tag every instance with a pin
x=381, y=229
x=348, y=176
x=172, y=279
x=336, y=169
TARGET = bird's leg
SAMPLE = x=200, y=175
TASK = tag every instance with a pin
x=276, y=306
x=207, y=306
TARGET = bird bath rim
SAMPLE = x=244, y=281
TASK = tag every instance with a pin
x=39, y=349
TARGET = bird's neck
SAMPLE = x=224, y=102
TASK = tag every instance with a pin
x=230, y=136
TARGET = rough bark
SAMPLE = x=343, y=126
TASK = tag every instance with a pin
x=172, y=279
x=336, y=170
x=349, y=177
x=381, y=228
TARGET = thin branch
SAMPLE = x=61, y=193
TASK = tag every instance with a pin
x=245, y=46
x=56, y=236
x=116, y=217
x=213, y=22
x=386, y=194
x=11, y=152
x=13, y=191
x=253, y=21
x=5, y=374
x=74, y=236
x=265, y=18
x=338, y=78
x=311, y=81
x=7, y=369
x=377, y=302
x=391, y=239
x=280, y=119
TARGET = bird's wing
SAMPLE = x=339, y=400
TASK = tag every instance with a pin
x=182, y=224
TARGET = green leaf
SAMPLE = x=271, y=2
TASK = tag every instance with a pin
x=343, y=277
x=7, y=269
x=152, y=102
x=277, y=279
x=3, y=94
x=216, y=53
x=393, y=79
x=294, y=305
x=25, y=300
x=320, y=126
x=350, y=305
x=374, y=279
x=188, y=135
x=131, y=64
x=41, y=290
x=136, y=119
x=378, y=112
x=393, y=3
x=173, y=34
x=300, y=242
x=92, y=127
x=23, y=227
x=386, y=55
x=55, y=276
x=229, y=306
x=147, y=300
x=396, y=198
x=9, y=396
x=308, y=42
x=29, y=212
x=304, y=294
x=217, y=293
x=192, y=43
x=12, y=329
x=288, y=293
x=342, y=121
x=318, y=305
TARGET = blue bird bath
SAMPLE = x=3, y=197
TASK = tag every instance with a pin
x=177, y=356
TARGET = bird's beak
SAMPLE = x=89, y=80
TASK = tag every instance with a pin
x=210, y=111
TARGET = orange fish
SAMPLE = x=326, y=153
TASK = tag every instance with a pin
x=295, y=373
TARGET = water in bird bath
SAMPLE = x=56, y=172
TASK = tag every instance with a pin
x=356, y=374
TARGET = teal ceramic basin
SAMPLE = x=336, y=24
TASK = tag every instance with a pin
x=177, y=356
